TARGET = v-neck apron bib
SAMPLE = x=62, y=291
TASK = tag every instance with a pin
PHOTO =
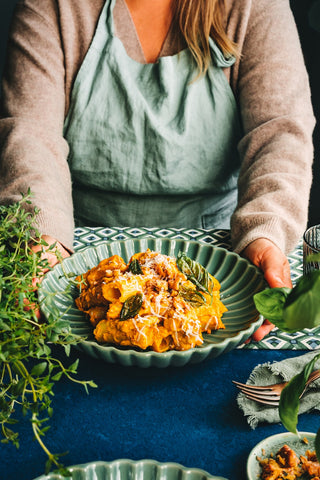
x=148, y=145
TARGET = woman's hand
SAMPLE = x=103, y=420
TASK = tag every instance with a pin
x=275, y=266
x=52, y=255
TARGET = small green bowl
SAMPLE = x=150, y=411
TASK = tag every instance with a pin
x=272, y=444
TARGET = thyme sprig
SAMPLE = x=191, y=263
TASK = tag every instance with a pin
x=28, y=367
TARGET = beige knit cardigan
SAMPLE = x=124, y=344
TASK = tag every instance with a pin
x=47, y=44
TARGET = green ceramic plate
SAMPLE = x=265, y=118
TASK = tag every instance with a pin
x=272, y=444
x=239, y=281
x=132, y=470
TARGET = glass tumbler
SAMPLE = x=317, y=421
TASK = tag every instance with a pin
x=311, y=245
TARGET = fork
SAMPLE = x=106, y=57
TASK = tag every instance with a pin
x=270, y=394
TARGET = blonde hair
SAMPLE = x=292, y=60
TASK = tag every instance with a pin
x=196, y=21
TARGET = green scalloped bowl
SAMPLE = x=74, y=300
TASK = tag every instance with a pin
x=132, y=470
x=239, y=279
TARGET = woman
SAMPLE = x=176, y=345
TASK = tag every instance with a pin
x=161, y=113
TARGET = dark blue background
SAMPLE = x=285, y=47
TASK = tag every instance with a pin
x=187, y=415
x=6, y=10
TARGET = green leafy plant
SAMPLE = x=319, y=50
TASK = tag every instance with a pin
x=292, y=310
x=290, y=402
x=28, y=367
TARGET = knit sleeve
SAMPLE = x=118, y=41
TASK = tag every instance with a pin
x=33, y=150
x=276, y=149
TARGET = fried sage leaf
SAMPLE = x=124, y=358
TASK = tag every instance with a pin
x=131, y=306
x=194, y=272
x=193, y=297
x=134, y=267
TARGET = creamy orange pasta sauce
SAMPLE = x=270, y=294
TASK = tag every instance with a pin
x=149, y=303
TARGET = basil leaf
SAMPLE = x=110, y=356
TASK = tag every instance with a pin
x=289, y=402
x=302, y=307
x=270, y=303
x=289, y=399
x=193, y=297
x=293, y=309
x=134, y=267
x=131, y=306
x=194, y=272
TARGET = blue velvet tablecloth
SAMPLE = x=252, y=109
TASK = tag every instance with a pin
x=187, y=415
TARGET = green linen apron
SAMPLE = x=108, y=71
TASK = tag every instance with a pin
x=149, y=147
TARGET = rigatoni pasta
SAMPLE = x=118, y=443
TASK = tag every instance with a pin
x=154, y=301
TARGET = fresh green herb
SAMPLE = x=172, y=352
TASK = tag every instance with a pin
x=270, y=302
x=293, y=309
x=290, y=401
x=194, y=272
x=289, y=404
x=131, y=306
x=302, y=308
x=28, y=368
x=135, y=267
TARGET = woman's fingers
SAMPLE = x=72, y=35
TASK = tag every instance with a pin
x=32, y=306
x=52, y=253
x=271, y=260
x=276, y=269
x=262, y=331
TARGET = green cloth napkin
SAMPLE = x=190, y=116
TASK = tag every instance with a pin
x=269, y=373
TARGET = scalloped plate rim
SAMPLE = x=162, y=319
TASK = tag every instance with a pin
x=133, y=463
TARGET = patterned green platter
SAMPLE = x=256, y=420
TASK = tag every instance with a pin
x=132, y=470
x=239, y=281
